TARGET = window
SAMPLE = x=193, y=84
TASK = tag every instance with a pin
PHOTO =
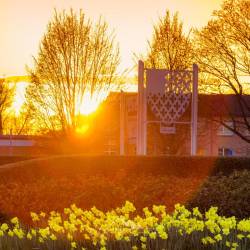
x=225, y=151
x=247, y=132
x=248, y=151
x=110, y=146
x=223, y=131
x=202, y=151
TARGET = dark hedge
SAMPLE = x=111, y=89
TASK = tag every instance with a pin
x=231, y=194
x=12, y=159
x=224, y=188
x=106, y=165
x=228, y=165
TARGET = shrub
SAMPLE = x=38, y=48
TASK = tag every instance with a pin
x=181, y=166
x=86, y=191
x=12, y=159
x=231, y=194
x=227, y=165
x=3, y=217
x=106, y=181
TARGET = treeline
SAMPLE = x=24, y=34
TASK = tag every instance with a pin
x=77, y=56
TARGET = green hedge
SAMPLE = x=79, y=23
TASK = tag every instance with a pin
x=12, y=159
x=228, y=165
x=110, y=165
x=130, y=169
x=106, y=165
x=231, y=194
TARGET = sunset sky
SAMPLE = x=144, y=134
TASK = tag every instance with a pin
x=23, y=22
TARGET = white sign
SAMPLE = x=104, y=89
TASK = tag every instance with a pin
x=16, y=143
x=167, y=130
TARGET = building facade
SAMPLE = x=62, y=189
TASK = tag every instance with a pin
x=213, y=138
x=110, y=125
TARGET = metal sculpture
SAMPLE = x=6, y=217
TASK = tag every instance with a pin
x=168, y=94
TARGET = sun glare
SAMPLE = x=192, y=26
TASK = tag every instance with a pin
x=88, y=106
x=19, y=97
x=90, y=103
x=82, y=129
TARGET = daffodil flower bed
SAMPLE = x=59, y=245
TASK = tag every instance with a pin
x=122, y=229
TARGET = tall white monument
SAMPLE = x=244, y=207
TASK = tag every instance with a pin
x=167, y=94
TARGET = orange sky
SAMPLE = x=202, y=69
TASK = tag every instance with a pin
x=23, y=22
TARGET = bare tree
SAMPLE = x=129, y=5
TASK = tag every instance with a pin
x=75, y=57
x=169, y=48
x=6, y=99
x=22, y=122
x=223, y=54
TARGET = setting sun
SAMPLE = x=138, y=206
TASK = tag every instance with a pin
x=90, y=103
x=19, y=97
x=82, y=129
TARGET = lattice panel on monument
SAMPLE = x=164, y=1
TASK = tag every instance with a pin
x=169, y=105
